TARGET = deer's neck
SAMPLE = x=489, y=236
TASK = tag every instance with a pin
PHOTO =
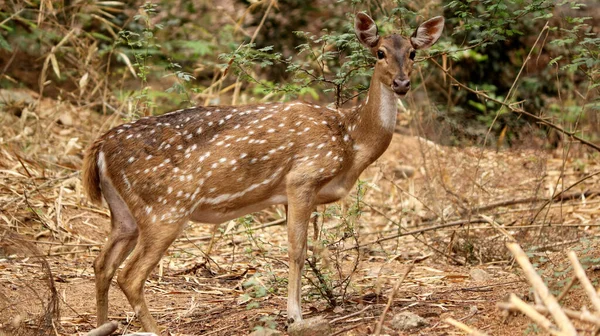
x=373, y=122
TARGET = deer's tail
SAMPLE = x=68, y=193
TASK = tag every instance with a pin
x=91, y=173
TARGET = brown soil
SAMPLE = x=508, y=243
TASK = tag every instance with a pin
x=241, y=284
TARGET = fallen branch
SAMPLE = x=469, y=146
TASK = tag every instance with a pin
x=414, y=232
x=534, y=315
x=540, y=288
x=560, y=197
x=584, y=316
x=583, y=279
x=560, y=194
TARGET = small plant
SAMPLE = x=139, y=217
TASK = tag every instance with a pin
x=266, y=322
x=254, y=290
x=332, y=273
x=142, y=46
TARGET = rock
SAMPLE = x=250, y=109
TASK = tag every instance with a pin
x=478, y=274
x=65, y=119
x=17, y=96
x=407, y=320
x=265, y=332
x=404, y=172
x=316, y=326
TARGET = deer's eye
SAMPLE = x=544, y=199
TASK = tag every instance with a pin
x=412, y=55
x=380, y=54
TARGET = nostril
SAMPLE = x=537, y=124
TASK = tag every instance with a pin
x=399, y=84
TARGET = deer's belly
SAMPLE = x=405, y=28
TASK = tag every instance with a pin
x=217, y=215
x=335, y=190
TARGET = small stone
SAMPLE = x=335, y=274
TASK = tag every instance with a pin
x=404, y=172
x=478, y=274
x=407, y=320
x=265, y=332
x=65, y=119
x=315, y=326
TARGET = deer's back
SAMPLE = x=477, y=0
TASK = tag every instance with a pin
x=222, y=159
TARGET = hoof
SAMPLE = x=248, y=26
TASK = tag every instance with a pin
x=316, y=326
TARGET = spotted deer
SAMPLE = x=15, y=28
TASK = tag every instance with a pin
x=216, y=163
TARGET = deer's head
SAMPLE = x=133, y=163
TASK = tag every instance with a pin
x=395, y=53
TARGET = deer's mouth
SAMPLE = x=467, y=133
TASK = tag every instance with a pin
x=400, y=91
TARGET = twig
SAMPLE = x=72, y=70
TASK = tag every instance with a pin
x=519, y=110
x=260, y=25
x=566, y=289
x=566, y=242
x=560, y=194
x=391, y=299
x=559, y=197
x=12, y=16
x=414, y=232
x=584, y=316
x=583, y=279
x=538, y=285
x=533, y=314
x=350, y=315
x=498, y=227
x=464, y=327
x=346, y=329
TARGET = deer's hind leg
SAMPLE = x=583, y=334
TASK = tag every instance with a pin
x=122, y=239
x=154, y=239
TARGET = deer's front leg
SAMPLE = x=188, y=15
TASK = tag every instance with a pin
x=301, y=200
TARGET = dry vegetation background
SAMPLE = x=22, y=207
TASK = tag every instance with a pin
x=496, y=143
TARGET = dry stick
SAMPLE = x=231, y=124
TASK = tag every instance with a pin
x=498, y=227
x=562, y=243
x=510, y=91
x=520, y=110
x=538, y=285
x=350, y=315
x=583, y=279
x=105, y=329
x=464, y=327
x=562, y=196
x=584, y=316
x=391, y=299
x=563, y=191
x=416, y=238
x=566, y=289
x=477, y=220
x=414, y=232
x=534, y=315
x=346, y=329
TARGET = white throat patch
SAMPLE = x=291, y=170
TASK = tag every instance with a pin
x=388, y=108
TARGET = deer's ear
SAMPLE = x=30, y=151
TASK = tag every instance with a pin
x=428, y=33
x=366, y=30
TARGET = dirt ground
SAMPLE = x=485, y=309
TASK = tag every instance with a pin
x=466, y=202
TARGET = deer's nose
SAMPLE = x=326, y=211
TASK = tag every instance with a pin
x=401, y=86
